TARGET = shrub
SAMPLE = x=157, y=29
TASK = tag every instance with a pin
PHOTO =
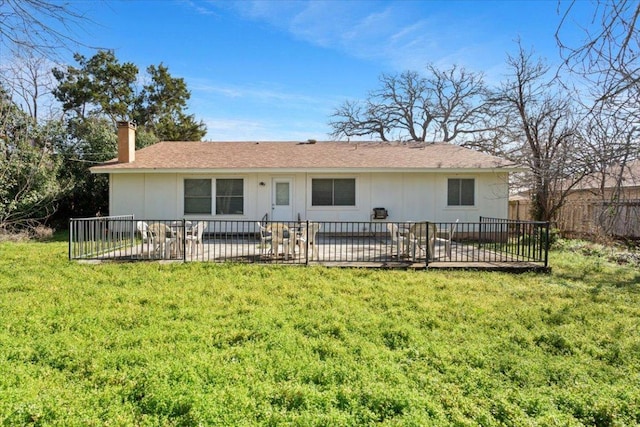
x=39, y=232
x=42, y=232
x=13, y=236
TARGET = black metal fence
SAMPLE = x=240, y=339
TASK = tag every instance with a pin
x=93, y=238
x=521, y=240
x=376, y=243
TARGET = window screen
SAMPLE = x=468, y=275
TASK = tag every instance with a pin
x=333, y=192
x=461, y=192
x=197, y=196
x=229, y=197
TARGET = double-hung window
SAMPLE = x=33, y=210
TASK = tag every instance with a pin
x=333, y=192
x=229, y=197
x=199, y=196
x=461, y=192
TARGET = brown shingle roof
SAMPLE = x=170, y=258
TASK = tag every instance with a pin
x=303, y=156
x=630, y=177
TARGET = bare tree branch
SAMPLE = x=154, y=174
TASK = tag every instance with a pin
x=443, y=106
x=30, y=81
x=539, y=117
x=40, y=27
x=608, y=56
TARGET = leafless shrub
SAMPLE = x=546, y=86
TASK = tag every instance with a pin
x=13, y=236
x=39, y=232
x=42, y=232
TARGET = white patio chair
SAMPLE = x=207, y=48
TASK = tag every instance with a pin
x=194, y=239
x=307, y=239
x=296, y=235
x=265, y=240
x=404, y=243
x=148, y=242
x=279, y=236
x=447, y=235
x=163, y=239
x=424, y=235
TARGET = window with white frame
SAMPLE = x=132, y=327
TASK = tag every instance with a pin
x=333, y=192
x=229, y=196
x=461, y=192
x=197, y=196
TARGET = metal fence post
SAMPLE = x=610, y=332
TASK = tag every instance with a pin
x=184, y=240
x=306, y=243
x=429, y=254
x=546, y=246
x=70, y=236
x=133, y=235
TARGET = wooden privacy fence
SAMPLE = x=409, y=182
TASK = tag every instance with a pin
x=488, y=242
x=590, y=217
x=600, y=218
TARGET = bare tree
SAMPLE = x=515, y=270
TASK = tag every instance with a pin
x=611, y=147
x=606, y=63
x=30, y=80
x=608, y=55
x=31, y=34
x=610, y=138
x=443, y=106
x=39, y=26
x=539, y=130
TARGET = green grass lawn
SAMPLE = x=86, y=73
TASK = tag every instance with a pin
x=209, y=344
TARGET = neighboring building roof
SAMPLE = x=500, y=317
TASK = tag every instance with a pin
x=630, y=178
x=519, y=197
x=293, y=156
x=592, y=183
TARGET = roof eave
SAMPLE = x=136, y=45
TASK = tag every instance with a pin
x=506, y=169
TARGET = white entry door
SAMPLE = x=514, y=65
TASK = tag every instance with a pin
x=282, y=199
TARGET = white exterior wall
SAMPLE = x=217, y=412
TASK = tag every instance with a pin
x=407, y=196
x=419, y=196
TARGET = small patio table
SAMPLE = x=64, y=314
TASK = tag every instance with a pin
x=164, y=237
x=425, y=237
x=280, y=234
x=178, y=233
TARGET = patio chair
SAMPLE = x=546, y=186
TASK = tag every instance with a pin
x=307, y=239
x=424, y=234
x=193, y=240
x=163, y=239
x=279, y=236
x=447, y=234
x=265, y=240
x=404, y=243
x=297, y=235
x=148, y=244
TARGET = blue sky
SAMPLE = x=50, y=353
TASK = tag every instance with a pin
x=276, y=70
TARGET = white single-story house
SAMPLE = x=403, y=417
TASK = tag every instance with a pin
x=316, y=181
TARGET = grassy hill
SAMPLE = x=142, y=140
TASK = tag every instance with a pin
x=209, y=344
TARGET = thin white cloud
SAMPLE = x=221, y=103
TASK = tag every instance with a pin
x=408, y=31
x=398, y=34
x=278, y=115
x=232, y=129
x=265, y=94
x=395, y=36
x=200, y=7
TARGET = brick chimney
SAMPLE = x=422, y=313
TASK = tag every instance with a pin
x=126, y=142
